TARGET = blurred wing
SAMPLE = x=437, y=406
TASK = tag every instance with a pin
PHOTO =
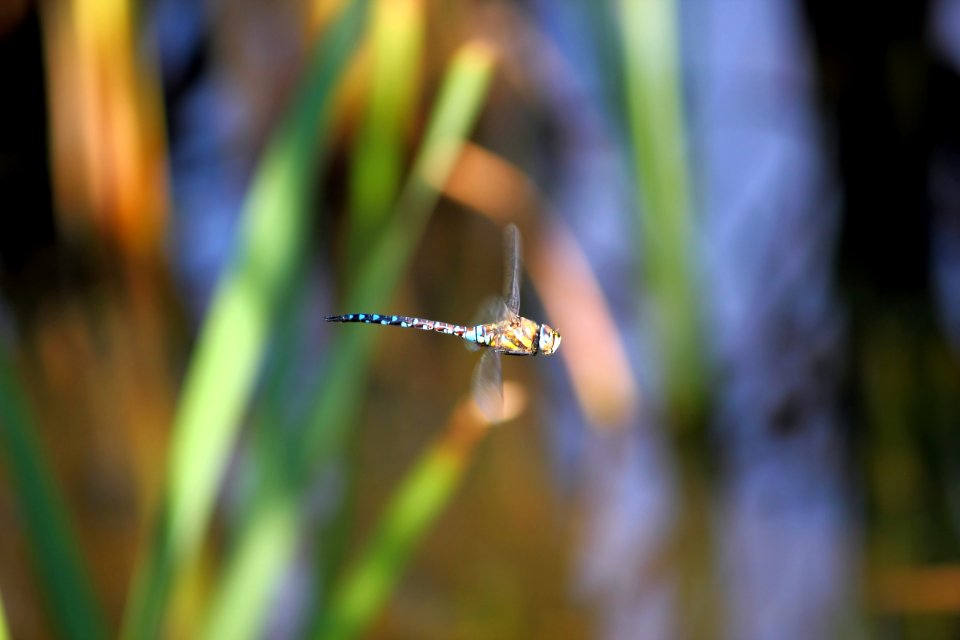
x=511, y=269
x=493, y=309
x=488, y=385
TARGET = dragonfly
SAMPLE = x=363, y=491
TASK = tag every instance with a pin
x=508, y=332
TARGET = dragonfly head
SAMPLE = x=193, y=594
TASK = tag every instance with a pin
x=548, y=340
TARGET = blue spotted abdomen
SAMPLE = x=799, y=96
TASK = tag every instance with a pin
x=403, y=321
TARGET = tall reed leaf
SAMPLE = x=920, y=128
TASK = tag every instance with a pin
x=655, y=118
x=377, y=161
x=73, y=610
x=415, y=505
x=267, y=540
x=4, y=629
x=232, y=341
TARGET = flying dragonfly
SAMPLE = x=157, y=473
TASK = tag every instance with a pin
x=508, y=333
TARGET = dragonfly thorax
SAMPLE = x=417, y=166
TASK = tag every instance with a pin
x=516, y=336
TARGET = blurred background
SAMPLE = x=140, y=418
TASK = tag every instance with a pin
x=743, y=216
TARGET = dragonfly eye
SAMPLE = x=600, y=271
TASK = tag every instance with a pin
x=548, y=340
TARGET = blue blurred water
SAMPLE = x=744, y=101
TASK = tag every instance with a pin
x=767, y=216
x=770, y=210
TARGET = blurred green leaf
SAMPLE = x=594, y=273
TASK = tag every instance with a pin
x=413, y=508
x=656, y=123
x=4, y=629
x=231, y=344
x=377, y=160
x=74, y=611
x=267, y=540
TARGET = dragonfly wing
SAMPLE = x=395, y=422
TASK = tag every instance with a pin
x=493, y=309
x=511, y=269
x=488, y=385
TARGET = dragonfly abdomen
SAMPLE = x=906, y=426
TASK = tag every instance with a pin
x=405, y=322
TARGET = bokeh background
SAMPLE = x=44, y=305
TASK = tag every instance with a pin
x=742, y=215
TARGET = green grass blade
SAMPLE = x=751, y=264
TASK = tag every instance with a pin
x=458, y=105
x=4, y=628
x=232, y=341
x=268, y=539
x=377, y=161
x=414, y=507
x=655, y=119
x=73, y=609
